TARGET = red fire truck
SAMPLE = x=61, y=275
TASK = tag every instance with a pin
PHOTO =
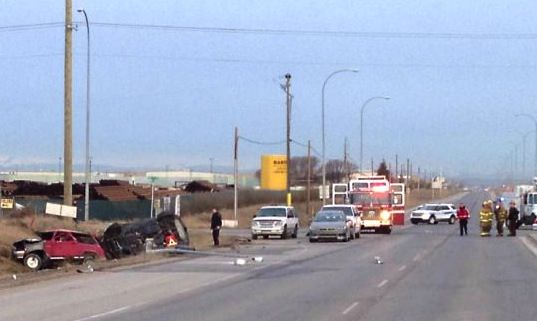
x=381, y=203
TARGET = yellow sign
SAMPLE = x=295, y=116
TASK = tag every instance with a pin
x=6, y=203
x=274, y=172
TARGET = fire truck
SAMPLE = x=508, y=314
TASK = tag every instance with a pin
x=381, y=203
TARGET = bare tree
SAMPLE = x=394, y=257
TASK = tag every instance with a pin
x=383, y=170
x=335, y=170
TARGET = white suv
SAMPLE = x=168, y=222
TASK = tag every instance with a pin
x=434, y=213
x=275, y=220
x=353, y=216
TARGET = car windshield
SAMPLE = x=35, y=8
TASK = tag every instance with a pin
x=345, y=209
x=532, y=198
x=275, y=211
x=330, y=216
x=371, y=198
x=429, y=207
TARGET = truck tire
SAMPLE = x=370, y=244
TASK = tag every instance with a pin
x=284, y=233
x=33, y=261
x=295, y=232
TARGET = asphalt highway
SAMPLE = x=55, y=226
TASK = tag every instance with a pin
x=428, y=273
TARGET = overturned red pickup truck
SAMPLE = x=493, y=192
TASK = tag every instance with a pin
x=56, y=245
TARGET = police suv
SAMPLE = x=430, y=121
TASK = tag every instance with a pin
x=434, y=213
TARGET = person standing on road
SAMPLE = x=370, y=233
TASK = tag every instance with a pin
x=485, y=218
x=513, y=218
x=463, y=215
x=500, y=213
x=216, y=224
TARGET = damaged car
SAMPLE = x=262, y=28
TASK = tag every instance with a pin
x=165, y=230
x=54, y=246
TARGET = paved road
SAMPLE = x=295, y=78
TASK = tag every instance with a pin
x=429, y=273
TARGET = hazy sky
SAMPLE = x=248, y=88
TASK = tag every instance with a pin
x=457, y=72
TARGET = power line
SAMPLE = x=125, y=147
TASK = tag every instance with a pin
x=293, y=32
x=261, y=143
x=352, y=34
x=33, y=26
x=305, y=146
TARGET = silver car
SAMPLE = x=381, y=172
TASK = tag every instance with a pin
x=330, y=224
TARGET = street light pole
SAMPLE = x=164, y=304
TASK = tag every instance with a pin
x=86, y=167
x=322, y=128
x=535, y=122
x=362, y=126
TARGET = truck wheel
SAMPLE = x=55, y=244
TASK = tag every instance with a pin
x=33, y=261
x=452, y=220
x=295, y=232
x=89, y=259
x=284, y=234
x=254, y=236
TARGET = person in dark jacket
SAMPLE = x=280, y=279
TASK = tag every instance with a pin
x=216, y=224
x=463, y=215
x=512, y=218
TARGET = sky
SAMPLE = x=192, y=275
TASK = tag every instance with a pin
x=170, y=95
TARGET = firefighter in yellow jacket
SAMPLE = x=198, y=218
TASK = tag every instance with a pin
x=500, y=213
x=485, y=218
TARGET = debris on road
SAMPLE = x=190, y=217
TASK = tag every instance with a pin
x=378, y=260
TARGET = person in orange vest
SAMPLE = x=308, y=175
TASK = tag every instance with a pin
x=463, y=215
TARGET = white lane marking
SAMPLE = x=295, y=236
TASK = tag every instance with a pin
x=352, y=306
x=417, y=257
x=95, y=316
x=195, y=287
x=402, y=268
x=383, y=283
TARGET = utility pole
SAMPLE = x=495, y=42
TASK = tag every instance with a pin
x=410, y=177
x=288, y=100
x=68, y=107
x=345, y=165
x=397, y=168
x=372, y=169
x=407, y=171
x=235, y=173
x=308, y=186
x=419, y=179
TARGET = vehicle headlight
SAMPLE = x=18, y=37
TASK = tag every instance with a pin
x=255, y=224
x=278, y=223
x=385, y=215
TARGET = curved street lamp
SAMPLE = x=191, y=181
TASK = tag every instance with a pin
x=535, y=122
x=86, y=166
x=362, y=125
x=322, y=127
